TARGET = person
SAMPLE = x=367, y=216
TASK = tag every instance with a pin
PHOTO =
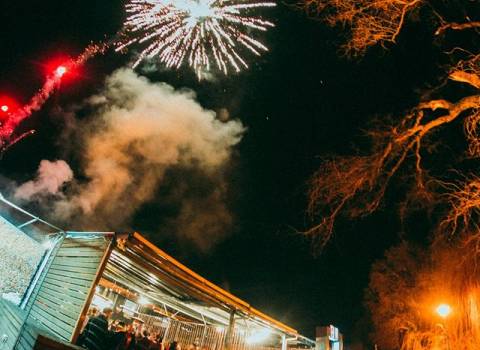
x=92, y=312
x=159, y=342
x=173, y=345
x=96, y=334
x=119, y=337
x=153, y=341
x=114, y=325
x=143, y=343
x=129, y=343
x=118, y=314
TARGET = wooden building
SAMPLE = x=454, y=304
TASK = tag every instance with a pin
x=142, y=283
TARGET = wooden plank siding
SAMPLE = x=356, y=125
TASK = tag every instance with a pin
x=43, y=273
x=11, y=322
x=35, y=338
x=64, y=288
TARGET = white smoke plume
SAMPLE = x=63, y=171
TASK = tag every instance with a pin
x=139, y=131
x=51, y=178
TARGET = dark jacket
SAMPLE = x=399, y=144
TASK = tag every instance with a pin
x=118, y=340
x=96, y=335
x=127, y=341
x=143, y=343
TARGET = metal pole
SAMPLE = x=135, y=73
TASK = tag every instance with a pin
x=230, y=331
x=284, y=342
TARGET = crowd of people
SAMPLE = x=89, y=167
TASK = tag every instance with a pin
x=100, y=332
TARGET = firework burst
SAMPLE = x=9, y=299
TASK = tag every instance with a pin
x=205, y=34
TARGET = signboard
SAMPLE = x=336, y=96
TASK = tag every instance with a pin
x=333, y=333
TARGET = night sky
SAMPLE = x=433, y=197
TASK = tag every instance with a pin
x=301, y=102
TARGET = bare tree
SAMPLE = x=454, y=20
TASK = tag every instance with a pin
x=370, y=22
x=406, y=285
x=355, y=185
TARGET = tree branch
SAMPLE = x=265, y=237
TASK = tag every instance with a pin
x=457, y=26
x=465, y=77
x=356, y=185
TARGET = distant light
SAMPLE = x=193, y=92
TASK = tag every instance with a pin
x=4, y=108
x=143, y=301
x=60, y=71
x=443, y=310
x=259, y=336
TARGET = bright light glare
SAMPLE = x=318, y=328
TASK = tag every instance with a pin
x=443, y=310
x=60, y=71
x=143, y=301
x=4, y=108
x=259, y=336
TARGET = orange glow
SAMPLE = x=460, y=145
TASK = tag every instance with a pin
x=443, y=310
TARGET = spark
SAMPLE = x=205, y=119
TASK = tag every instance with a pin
x=205, y=34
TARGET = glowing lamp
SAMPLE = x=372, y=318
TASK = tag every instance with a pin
x=4, y=108
x=443, y=310
x=60, y=71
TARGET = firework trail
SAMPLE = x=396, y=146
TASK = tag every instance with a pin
x=7, y=129
x=195, y=32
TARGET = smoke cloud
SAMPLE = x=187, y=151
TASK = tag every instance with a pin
x=51, y=177
x=138, y=132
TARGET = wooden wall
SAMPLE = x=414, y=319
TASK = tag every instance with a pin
x=63, y=289
x=11, y=322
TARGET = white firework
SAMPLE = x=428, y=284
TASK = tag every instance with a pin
x=200, y=33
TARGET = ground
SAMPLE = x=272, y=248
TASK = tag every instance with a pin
x=20, y=257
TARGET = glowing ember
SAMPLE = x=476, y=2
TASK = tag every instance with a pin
x=197, y=32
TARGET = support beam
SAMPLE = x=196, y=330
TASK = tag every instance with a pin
x=230, y=331
x=284, y=342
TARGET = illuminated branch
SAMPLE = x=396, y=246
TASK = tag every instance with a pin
x=370, y=22
x=356, y=185
x=457, y=26
x=467, y=71
x=464, y=211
